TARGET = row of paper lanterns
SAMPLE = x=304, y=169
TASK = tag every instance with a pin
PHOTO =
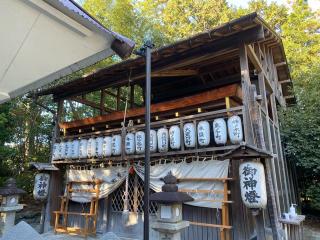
x=161, y=140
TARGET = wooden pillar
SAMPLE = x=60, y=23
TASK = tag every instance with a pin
x=245, y=84
x=55, y=186
x=102, y=102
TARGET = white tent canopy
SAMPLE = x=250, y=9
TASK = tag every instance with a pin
x=43, y=40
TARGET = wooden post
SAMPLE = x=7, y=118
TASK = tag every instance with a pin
x=245, y=84
x=259, y=223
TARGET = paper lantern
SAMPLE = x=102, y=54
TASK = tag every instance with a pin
x=55, y=151
x=140, y=142
x=174, y=135
x=99, y=147
x=235, y=129
x=83, y=148
x=162, y=135
x=62, y=150
x=153, y=141
x=116, y=145
x=41, y=186
x=220, y=131
x=253, y=184
x=91, y=148
x=75, y=149
x=130, y=146
x=189, y=135
x=203, y=133
x=69, y=149
x=107, y=146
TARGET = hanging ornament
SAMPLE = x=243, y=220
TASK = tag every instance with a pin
x=203, y=133
x=189, y=135
x=235, y=129
x=129, y=142
x=220, y=131
x=41, y=186
x=253, y=184
x=174, y=135
x=140, y=142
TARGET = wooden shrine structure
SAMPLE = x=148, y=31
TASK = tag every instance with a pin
x=237, y=68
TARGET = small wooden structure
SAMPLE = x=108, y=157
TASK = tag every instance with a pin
x=90, y=217
x=238, y=68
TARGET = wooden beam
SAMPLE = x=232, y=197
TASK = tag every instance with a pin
x=90, y=103
x=280, y=64
x=175, y=73
x=254, y=58
x=190, y=101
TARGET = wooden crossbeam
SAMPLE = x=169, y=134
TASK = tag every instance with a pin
x=175, y=73
x=173, y=105
x=90, y=103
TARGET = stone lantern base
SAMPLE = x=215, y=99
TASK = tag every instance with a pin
x=7, y=217
x=168, y=230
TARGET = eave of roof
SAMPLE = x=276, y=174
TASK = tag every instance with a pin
x=213, y=35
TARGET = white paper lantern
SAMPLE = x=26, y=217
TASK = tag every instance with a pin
x=62, y=150
x=220, y=131
x=203, y=133
x=235, y=129
x=91, y=148
x=75, y=149
x=107, y=146
x=174, y=135
x=99, y=147
x=153, y=141
x=69, y=149
x=140, y=142
x=253, y=184
x=130, y=146
x=162, y=135
x=116, y=145
x=55, y=151
x=41, y=186
x=83, y=148
x=189, y=135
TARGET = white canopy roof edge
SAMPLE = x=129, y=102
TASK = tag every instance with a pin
x=44, y=40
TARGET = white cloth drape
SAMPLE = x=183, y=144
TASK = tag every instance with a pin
x=195, y=169
x=112, y=178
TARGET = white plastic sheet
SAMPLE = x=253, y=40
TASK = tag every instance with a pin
x=195, y=169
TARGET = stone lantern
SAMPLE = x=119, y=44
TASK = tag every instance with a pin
x=9, y=199
x=169, y=221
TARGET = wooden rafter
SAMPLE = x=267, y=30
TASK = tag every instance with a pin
x=89, y=103
x=175, y=73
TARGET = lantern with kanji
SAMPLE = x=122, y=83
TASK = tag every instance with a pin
x=253, y=184
x=41, y=186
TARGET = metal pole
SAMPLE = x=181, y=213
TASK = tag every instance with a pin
x=148, y=47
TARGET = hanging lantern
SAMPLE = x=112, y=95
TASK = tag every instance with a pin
x=75, y=149
x=203, y=133
x=220, y=131
x=83, y=148
x=107, y=146
x=235, y=129
x=69, y=149
x=140, y=142
x=153, y=141
x=99, y=146
x=41, y=186
x=116, y=145
x=130, y=147
x=62, y=150
x=162, y=135
x=189, y=135
x=55, y=151
x=174, y=133
x=253, y=184
x=91, y=148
